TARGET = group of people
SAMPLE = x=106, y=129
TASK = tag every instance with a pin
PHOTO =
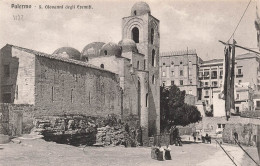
x=161, y=153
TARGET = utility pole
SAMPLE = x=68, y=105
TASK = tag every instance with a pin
x=232, y=82
x=227, y=81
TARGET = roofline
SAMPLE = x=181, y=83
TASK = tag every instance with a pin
x=71, y=61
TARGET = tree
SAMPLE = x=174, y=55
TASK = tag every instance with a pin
x=174, y=111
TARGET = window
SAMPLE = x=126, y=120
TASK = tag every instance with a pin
x=172, y=63
x=102, y=66
x=135, y=34
x=239, y=81
x=153, y=79
x=153, y=58
x=200, y=74
x=146, y=100
x=257, y=103
x=206, y=92
x=163, y=63
x=135, y=12
x=219, y=126
x=213, y=74
x=52, y=94
x=237, y=97
x=105, y=52
x=164, y=74
x=152, y=35
x=221, y=73
x=214, y=83
x=144, y=64
x=137, y=64
x=163, y=83
x=239, y=71
x=181, y=82
x=206, y=84
x=223, y=126
x=7, y=98
x=180, y=62
x=181, y=72
x=172, y=82
x=172, y=73
x=237, y=109
x=71, y=96
x=206, y=74
x=7, y=70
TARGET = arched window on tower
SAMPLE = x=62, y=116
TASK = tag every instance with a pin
x=105, y=52
x=135, y=34
x=135, y=12
x=152, y=35
x=153, y=79
x=102, y=66
x=153, y=58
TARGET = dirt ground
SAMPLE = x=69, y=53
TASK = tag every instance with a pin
x=38, y=152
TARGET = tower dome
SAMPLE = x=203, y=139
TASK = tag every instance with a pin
x=140, y=8
x=91, y=50
x=128, y=45
x=67, y=52
x=110, y=49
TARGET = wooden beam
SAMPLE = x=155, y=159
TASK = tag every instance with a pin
x=239, y=47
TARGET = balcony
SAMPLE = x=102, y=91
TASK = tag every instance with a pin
x=214, y=77
x=239, y=75
x=206, y=77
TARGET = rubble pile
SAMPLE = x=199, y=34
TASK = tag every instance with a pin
x=82, y=130
x=73, y=130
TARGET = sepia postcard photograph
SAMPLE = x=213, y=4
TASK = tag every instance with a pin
x=130, y=82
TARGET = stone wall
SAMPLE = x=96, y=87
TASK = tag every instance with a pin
x=247, y=133
x=16, y=119
x=68, y=88
x=245, y=127
x=21, y=80
x=87, y=130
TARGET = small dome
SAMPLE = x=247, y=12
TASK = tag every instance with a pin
x=128, y=45
x=68, y=52
x=140, y=8
x=110, y=49
x=91, y=50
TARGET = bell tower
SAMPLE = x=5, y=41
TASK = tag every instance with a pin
x=143, y=28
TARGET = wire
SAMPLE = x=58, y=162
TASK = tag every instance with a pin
x=239, y=21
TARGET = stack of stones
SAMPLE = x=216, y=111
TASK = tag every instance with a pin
x=110, y=136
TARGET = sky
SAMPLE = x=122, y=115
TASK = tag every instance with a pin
x=192, y=24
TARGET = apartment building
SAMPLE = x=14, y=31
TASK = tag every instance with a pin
x=180, y=68
x=204, y=79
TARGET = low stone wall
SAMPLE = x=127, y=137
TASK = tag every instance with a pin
x=211, y=124
x=247, y=133
x=16, y=119
x=73, y=129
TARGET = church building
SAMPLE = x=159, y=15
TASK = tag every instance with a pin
x=104, y=78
